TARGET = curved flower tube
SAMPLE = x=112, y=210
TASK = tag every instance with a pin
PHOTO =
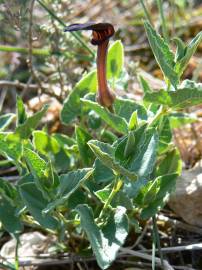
x=101, y=35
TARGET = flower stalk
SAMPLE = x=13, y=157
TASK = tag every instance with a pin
x=105, y=97
x=101, y=35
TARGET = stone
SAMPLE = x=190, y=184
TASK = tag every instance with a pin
x=31, y=244
x=186, y=201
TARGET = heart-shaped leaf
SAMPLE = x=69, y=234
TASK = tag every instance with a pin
x=72, y=105
x=105, y=153
x=105, y=242
x=69, y=183
x=189, y=94
x=35, y=203
x=113, y=120
x=115, y=59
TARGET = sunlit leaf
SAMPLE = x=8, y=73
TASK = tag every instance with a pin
x=21, y=112
x=82, y=137
x=115, y=59
x=72, y=106
x=25, y=129
x=116, y=122
x=162, y=53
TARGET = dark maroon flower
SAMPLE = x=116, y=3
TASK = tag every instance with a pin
x=101, y=35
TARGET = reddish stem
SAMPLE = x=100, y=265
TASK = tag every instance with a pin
x=105, y=96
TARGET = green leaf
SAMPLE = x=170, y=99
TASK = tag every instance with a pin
x=165, y=136
x=125, y=107
x=103, y=194
x=133, y=122
x=94, y=120
x=189, y=50
x=45, y=143
x=170, y=164
x=54, y=148
x=180, y=99
x=36, y=164
x=11, y=223
x=35, y=203
x=69, y=183
x=107, y=136
x=120, y=198
x=161, y=97
x=107, y=241
x=180, y=52
x=76, y=198
x=62, y=161
x=162, y=53
x=163, y=186
x=101, y=173
x=105, y=153
x=144, y=85
x=63, y=140
x=116, y=122
x=25, y=130
x=8, y=191
x=115, y=60
x=144, y=161
x=130, y=144
x=82, y=137
x=10, y=146
x=5, y=120
x=21, y=112
x=72, y=105
x=177, y=120
x=150, y=191
x=165, y=132
x=40, y=170
x=136, y=145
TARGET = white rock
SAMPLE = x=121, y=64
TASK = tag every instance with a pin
x=31, y=244
x=187, y=199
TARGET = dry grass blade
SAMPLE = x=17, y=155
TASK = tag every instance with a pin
x=146, y=257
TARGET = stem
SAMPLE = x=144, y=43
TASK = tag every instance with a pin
x=168, y=85
x=5, y=162
x=117, y=185
x=163, y=21
x=75, y=35
x=105, y=96
x=42, y=52
x=158, y=115
x=146, y=12
x=157, y=240
x=153, y=251
x=101, y=66
x=61, y=217
x=33, y=72
x=16, y=253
